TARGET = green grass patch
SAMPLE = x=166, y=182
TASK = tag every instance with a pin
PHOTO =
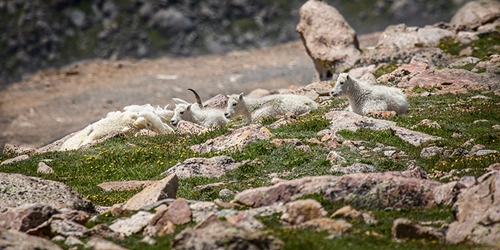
x=481, y=48
x=144, y=158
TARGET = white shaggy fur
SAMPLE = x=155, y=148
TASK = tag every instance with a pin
x=253, y=109
x=130, y=121
x=365, y=98
x=206, y=117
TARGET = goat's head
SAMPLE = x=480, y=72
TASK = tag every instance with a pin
x=234, y=105
x=181, y=111
x=341, y=85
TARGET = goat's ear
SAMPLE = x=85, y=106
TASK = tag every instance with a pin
x=240, y=96
x=180, y=101
x=347, y=77
x=189, y=107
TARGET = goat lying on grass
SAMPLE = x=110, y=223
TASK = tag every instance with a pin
x=253, y=109
x=206, y=117
x=130, y=121
x=365, y=98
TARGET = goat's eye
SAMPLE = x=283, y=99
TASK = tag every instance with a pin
x=182, y=112
x=234, y=104
x=341, y=83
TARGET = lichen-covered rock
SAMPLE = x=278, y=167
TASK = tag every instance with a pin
x=208, y=167
x=19, y=189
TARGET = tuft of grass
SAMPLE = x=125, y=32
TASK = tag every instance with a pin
x=385, y=69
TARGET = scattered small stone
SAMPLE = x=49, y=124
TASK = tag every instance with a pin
x=430, y=151
x=43, y=168
x=389, y=153
x=297, y=212
x=484, y=152
x=496, y=127
x=226, y=192
x=354, y=168
x=335, y=157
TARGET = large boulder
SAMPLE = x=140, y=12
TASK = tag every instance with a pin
x=476, y=13
x=329, y=39
x=388, y=189
x=477, y=213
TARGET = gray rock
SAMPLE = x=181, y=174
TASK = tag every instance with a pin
x=354, y=168
x=72, y=241
x=351, y=121
x=477, y=213
x=67, y=228
x=215, y=234
x=413, y=137
x=162, y=189
x=389, y=189
x=329, y=39
x=15, y=159
x=15, y=240
x=170, y=22
x=237, y=140
x=43, y=168
x=430, y=151
x=208, y=167
x=475, y=13
x=19, y=189
x=202, y=210
x=402, y=37
x=78, y=18
x=133, y=224
x=98, y=243
x=299, y=211
x=335, y=157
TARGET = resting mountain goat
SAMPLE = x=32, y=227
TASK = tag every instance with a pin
x=206, y=117
x=253, y=109
x=365, y=98
x=130, y=121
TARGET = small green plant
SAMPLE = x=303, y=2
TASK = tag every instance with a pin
x=385, y=69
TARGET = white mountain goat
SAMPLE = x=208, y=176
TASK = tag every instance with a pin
x=204, y=116
x=365, y=98
x=253, y=109
x=130, y=121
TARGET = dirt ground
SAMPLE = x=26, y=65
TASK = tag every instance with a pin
x=52, y=103
x=55, y=102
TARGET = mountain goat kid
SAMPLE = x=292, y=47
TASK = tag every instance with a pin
x=253, y=109
x=365, y=98
x=206, y=117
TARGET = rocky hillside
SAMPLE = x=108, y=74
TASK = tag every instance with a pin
x=330, y=178
x=41, y=34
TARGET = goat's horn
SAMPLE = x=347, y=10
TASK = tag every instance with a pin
x=198, y=99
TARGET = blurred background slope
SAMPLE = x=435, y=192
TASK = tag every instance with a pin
x=38, y=34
